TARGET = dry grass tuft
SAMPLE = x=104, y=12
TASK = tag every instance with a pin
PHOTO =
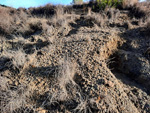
x=104, y=18
x=59, y=19
x=83, y=105
x=112, y=14
x=65, y=80
x=12, y=97
x=66, y=72
x=99, y=19
x=18, y=58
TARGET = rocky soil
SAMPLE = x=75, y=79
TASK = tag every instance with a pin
x=75, y=60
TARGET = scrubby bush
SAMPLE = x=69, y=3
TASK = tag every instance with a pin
x=101, y=4
x=109, y=3
x=121, y=4
x=47, y=11
x=5, y=21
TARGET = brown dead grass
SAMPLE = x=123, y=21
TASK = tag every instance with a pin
x=12, y=100
x=5, y=20
x=11, y=18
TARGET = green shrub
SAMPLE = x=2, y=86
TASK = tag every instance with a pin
x=101, y=4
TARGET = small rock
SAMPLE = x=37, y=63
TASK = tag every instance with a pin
x=110, y=84
x=10, y=82
x=40, y=110
x=16, y=83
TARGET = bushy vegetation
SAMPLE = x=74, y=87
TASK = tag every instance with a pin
x=101, y=4
x=47, y=10
x=109, y=3
x=5, y=20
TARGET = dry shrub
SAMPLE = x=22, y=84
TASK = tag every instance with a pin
x=83, y=105
x=5, y=21
x=39, y=24
x=104, y=18
x=66, y=83
x=59, y=19
x=136, y=9
x=66, y=72
x=59, y=11
x=128, y=3
x=32, y=26
x=12, y=97
x=86, y=104
x=18, y=58
x=43, y=11
x=22, y=14
x=137, y=12
x=12, y=20
x=98, y=19
x=112, y=14
x=3, y=83
x=35, y=26
x=48, y=29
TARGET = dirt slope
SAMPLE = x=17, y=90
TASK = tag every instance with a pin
x=74, y=60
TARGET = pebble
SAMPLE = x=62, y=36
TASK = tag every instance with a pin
x=110, y=84
x=16, y=83
x=40, y=110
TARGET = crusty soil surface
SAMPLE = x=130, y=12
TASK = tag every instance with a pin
x=80, y=62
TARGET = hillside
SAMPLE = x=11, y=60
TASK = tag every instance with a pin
x=75, y=59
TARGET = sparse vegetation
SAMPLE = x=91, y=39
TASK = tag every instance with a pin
x=84, y=58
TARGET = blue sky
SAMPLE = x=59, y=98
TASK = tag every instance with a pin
x=33, y=3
